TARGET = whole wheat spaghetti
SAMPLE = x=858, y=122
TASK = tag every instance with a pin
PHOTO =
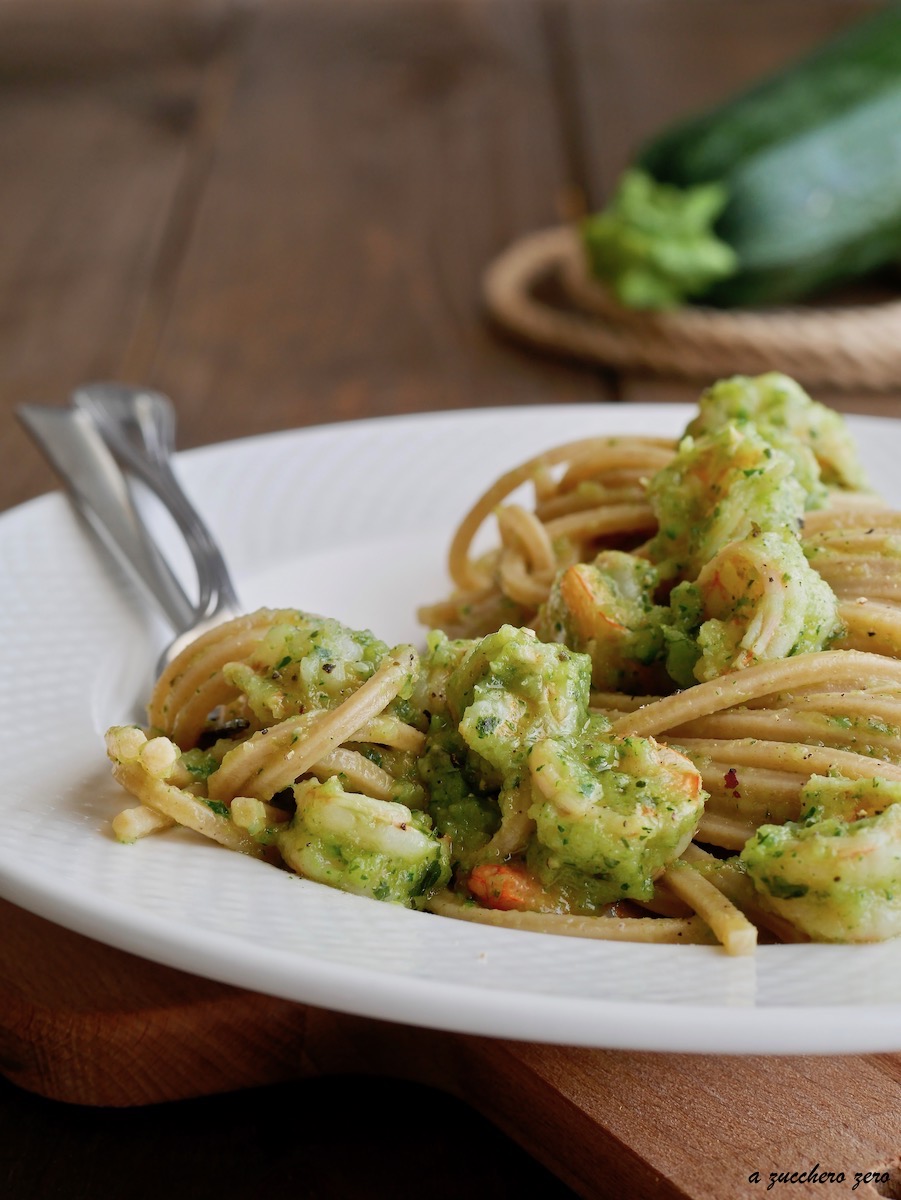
x=664, y=707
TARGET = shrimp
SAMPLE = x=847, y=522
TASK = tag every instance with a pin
x=510, y=690
x=836, y=873
x=606, y=610
x=717, y=489
x=509, y=886
x=377, y=848
x=816, y=437
x=617, y=810
x=760, y=600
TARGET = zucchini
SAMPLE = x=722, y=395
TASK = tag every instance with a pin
x=800, y=178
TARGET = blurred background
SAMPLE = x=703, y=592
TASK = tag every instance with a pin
x=283, y=209
x=279, y=213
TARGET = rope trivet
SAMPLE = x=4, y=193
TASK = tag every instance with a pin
x=843, y=348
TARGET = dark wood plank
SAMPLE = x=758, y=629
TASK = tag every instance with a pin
x=47, y=40
x=94, y=149
x=332, y=1139
x=373, y=161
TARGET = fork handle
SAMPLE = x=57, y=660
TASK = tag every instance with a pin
x=138, y=426
x=100, y=492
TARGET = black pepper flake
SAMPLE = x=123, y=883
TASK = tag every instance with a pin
x=209, y=737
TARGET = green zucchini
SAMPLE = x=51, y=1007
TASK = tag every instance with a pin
x=799, y=179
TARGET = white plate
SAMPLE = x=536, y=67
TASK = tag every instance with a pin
x=353, y=520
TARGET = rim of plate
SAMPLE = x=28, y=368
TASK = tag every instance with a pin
x=466, y=1005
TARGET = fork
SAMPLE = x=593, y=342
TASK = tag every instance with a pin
x=110, y=436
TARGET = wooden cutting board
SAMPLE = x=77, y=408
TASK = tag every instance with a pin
x=83, y=1023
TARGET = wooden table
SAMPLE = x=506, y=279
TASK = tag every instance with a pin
x=279, y=214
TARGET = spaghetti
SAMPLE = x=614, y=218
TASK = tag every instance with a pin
x=717, y=663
